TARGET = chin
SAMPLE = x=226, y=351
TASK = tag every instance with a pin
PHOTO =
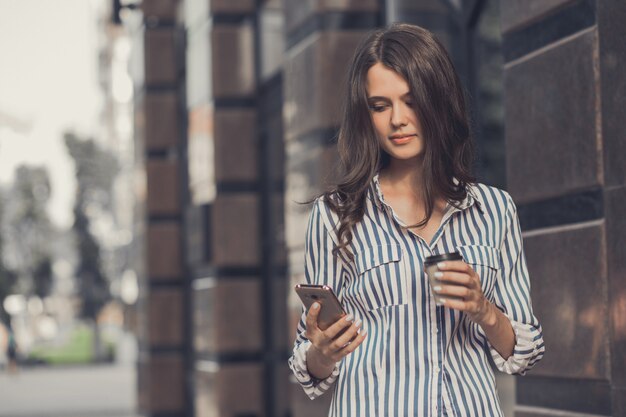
x=403, y=156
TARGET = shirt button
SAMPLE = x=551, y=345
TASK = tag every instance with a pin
x=437, y=369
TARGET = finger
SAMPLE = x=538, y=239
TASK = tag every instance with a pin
x=456, y=278
x=455, y=304
x=458, y=266
x=355, y=343
x=455, y=291
x=311, y=319
x=338, y=326
x=347, y=336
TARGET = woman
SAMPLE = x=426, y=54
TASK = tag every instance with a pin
x=406, y=192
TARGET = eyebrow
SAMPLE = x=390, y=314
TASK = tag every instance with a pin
x=374, y=98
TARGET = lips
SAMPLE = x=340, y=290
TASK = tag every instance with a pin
x=399, y=140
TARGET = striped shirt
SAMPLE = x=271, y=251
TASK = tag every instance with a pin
x=419, y=359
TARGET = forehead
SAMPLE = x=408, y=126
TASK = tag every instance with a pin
x=385, y=82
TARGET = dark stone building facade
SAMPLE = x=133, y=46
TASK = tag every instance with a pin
x=236, y=110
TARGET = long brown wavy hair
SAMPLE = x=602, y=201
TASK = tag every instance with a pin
x=416, y=55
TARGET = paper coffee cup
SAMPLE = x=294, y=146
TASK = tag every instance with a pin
x=430, y=265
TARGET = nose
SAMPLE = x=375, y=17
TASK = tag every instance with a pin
x=399, y=116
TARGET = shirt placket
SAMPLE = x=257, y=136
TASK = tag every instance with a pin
x=441, y=339
x=437, y=344
x=438, y=359
x=438, y=331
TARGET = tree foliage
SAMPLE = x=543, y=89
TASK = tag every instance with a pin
x=7, y=277
x=28, y=233
x=95, y=172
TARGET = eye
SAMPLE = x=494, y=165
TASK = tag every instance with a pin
x=378, y=107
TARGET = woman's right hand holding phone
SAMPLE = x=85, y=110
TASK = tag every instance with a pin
x=329, y=346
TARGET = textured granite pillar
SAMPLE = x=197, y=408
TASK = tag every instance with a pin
x=163, y=389
x=564, y=100
x=320, y=37
x=612, y=60
x=229, y=371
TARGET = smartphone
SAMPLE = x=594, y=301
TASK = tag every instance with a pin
x=331, y=309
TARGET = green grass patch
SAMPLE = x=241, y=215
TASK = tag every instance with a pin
x=77, y=350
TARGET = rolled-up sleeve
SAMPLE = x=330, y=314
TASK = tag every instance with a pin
x=323, y=268
x=512, y=297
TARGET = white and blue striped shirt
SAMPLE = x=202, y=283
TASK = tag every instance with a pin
x=420, y=359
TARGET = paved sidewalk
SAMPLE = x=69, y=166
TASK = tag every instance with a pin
x=80, y=391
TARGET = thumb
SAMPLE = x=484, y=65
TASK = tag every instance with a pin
x=312, y=315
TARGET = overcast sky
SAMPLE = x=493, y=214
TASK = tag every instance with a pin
x=48, y=83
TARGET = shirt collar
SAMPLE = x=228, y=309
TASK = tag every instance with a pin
x=377, y=194
x=379, y=199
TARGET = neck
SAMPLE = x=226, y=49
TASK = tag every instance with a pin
x=403, y=174
x=405, y=177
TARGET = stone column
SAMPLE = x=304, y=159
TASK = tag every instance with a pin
x=160, y=144
x=228, y=320
x=321, y=36
x=564, y=89
x=612, y=90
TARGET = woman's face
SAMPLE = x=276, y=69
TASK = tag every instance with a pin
x=390, y=102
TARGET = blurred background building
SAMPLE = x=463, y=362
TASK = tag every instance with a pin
x=222, y=117
x=237, y=109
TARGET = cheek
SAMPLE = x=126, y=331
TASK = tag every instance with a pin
x=380, y=124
